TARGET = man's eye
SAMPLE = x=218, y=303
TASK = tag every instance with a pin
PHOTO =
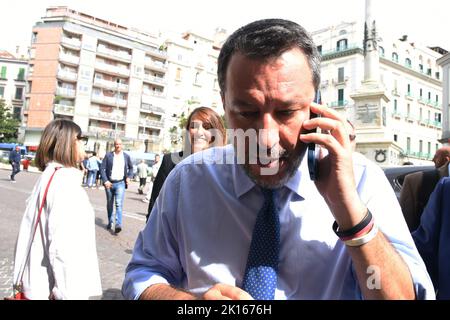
x=286, y=113
x=249, y=114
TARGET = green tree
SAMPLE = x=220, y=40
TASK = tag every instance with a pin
x=183, y=121
x=8, y=125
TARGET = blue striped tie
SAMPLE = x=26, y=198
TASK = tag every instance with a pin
x=260, y=278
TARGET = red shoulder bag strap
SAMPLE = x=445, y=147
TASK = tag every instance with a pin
x=36, y=225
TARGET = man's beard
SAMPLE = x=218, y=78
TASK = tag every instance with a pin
x=292, y=160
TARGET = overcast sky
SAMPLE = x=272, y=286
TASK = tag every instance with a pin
x=426, y=22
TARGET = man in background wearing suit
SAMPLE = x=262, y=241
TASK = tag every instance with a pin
x=116, y=171
x=418, y=186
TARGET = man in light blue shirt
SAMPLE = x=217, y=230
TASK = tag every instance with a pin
x=197, y=241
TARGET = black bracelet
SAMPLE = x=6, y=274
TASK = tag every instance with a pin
x=348, y=233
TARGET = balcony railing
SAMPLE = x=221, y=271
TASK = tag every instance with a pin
x=67, y=75
x=422, y=100
x=73, y=42
x=152, y=108
x=69, y=58
x=63, y=109
x=112, y=68
x=107, y=115
x=114, y=101
x=106, y=133
x=409, y=96
x=161, y=53
x=66, y=92
x=340, y=49
x=154, y=79
x=155, y=64
x=152, y=123
x=149, y=137
x=110, y=84
x=114, y=53
x=339, y=104
x=397, y=114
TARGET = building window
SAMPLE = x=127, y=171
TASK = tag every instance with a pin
x=420, y=146
x=420, y=92
x=178, y=74
x=3, y=73
x=437, y=98
x=420, y=114
x=408, y=145
x=394, y=56
x=19, y=93
x=421, y=68
x=408, y=92
x=341, y=75
x=429, y=72
x=408, y=110
x=438, y=75
x=429, y=95
x=197, y=78
x=408, y=63
x=2, y=92
x=319, y=48
x=342, y=45
x=21, y=74
x=395, y=106
x=429, y=115
x=395, y=138
x=340, y=97
x=429, y=148
x=34, y=37
x=381, y=51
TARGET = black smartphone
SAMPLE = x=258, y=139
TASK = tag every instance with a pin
x=313, y=153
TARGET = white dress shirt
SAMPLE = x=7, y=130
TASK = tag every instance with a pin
x=200, y=229
x=118, y=167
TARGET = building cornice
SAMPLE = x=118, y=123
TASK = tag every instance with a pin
x=444, y=60
x=411, y=72
x=343, y=53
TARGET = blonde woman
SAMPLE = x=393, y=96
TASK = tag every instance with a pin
x=61, y=262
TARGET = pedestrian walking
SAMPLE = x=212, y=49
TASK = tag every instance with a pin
x=142, y=172
x=93, y=168
x=14, y=160
x=116, y=171
x=55, y=258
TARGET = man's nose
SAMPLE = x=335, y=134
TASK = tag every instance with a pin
x=269, y=135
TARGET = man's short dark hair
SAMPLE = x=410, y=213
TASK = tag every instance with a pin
x=265, y=39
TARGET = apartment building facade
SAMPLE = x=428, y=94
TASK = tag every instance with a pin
x=13, y=76
x=444, y=62
x=192, y=78
x=108, y=78
x=411, y=118
x=116, y=81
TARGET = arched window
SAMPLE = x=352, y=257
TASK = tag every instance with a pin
x=381, y=51
x=342, y=32
x=394, y=56
x=408, y=63
x=342, y=45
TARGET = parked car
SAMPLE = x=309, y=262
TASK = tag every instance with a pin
x=396, y=175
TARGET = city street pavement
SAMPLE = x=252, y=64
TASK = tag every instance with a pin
x=114, y=251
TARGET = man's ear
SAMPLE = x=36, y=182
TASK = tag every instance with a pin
x=222, y=96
